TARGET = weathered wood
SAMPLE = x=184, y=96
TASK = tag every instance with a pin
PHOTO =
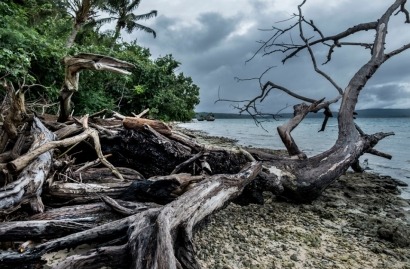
x=104, y=175
x=96, y=213
x=113, y=257
x=13, y=110
x=91, y=211
x=161, y=236
x=154, y=235
x=22, y=161
x=68, y=131
x=186, y=140
x=103, y=233
x=18, y=146
x=189, y=161
x=160, y=189
x=118, y=206
x=74, y=65
x=139, y=123
x=28, y=186
x=69, y=190
x=169, y=245
x=42, y=229
x=145, y=111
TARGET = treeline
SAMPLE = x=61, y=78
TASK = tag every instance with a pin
x=35, y=36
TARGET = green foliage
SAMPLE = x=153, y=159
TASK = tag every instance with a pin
x=153, y=85
x=32, y=46
x=15, y=37
x=26, y=54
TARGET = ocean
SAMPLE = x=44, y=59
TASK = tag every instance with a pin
x=312, y=142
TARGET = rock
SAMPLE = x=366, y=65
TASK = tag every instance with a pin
x=294, y=257
x=400, y=183
x=399, y=235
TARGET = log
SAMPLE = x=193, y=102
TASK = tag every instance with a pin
x=22, y=161
x=42, y=229
x=69, y=190
x=104, y=175
x=161, y=189
x=139, y=123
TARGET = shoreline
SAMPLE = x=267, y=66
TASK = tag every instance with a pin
x=360, y=221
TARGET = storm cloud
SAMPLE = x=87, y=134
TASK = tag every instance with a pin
x=214, y=39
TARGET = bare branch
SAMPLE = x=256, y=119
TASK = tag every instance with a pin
x=312, y=56
x=339, y=44
x=379, y=153
x=404, y=11
x=350, y=31
x=278, y=33
x=397, y=51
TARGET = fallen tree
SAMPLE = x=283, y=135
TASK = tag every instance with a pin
x=143, y=187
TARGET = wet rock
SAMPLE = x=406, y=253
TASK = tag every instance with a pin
x=399, y=235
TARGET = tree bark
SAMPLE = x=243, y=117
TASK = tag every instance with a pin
x=74, y=65
x=28, y=186
x=139, y=123
x=73, y=35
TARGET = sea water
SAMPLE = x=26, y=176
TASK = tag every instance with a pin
x=312, y=142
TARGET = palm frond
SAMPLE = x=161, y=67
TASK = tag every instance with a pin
x=105, y=20
x=133, y=5
x=146, y=16
x=132, y=26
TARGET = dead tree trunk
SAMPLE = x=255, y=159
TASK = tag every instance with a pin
x=73, y=67
x=305, y=178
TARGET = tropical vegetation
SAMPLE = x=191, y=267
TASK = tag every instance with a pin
x=36, y=35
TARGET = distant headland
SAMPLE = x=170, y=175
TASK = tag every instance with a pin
x=365, y=113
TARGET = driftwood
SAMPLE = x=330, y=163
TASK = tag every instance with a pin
x=150, y=245
x=139, y=123
x=28, y=186
x=74, y=65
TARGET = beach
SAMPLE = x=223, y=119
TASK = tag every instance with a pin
x=360, y=221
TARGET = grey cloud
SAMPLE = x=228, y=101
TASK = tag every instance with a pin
x=210, y=31
x=212, y=56
x=390, y=95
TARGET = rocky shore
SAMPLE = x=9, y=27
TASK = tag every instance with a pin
x=360, y=221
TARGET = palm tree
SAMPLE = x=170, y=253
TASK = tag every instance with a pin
x=83, y=11
x=122, y=13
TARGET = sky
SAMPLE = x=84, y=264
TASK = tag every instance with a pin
x=214, y=40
